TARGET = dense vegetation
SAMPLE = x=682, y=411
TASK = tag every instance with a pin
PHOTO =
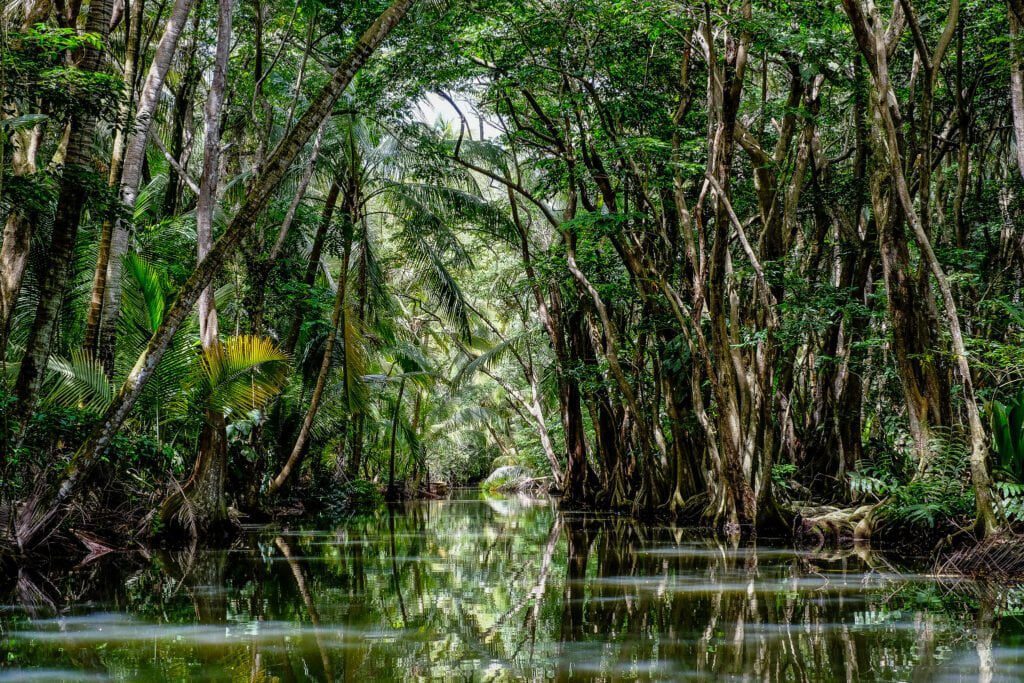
x=745, y=263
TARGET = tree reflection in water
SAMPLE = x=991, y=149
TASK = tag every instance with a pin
x=505, y=589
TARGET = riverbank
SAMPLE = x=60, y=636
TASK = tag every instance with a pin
x=824, y=530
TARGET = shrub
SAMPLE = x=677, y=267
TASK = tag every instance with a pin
x=1008, y=436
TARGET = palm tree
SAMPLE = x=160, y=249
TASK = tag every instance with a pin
x=228, y=380
x=386, y=205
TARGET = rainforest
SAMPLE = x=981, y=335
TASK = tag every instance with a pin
x=512, y=339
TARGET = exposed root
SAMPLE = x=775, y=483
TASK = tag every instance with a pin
x=827, y=526
x=691, y=512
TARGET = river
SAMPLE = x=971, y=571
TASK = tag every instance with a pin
x=482, y=588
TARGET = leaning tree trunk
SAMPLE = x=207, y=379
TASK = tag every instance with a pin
x=313, y=265
x=265, y=267
x=202, y=497
x=107, y=278
x=86, y=458
x=262, y=268
x=337, y=320
x=70, y=202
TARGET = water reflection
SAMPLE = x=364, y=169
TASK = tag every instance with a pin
x=503, y=589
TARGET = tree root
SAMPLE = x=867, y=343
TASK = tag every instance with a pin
x=825, y=526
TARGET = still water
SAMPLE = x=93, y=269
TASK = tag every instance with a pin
x=479, y=588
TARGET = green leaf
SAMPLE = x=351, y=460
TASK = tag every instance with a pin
x=243, y=374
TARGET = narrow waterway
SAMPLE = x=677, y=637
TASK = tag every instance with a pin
x=481, y=588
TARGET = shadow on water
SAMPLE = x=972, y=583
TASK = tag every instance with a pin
x=504, y=589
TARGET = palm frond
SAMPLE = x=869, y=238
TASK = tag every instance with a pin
x=356, y=361
x=78, y=382
x=433, y=274
x=243, y=374
x=487, y=360
x=484, y=153
x=146, y=298
x=149, y=198
x=442, y=207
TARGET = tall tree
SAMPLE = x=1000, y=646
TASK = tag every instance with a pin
x=114, y=241
x=73, y=193
x=204, y=490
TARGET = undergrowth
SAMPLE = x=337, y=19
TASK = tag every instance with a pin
x=916, y=506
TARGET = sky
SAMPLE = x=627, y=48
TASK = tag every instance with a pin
x=434, y=107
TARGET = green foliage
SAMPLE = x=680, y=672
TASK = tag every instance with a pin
x=462, y=325
x=52, y=42
x=506, y=478
x=939, y=498
x=1011, y=500
x=1008, y=435
x=147, y=299
x=356, y=496
x=877, y=477
x=79, y=382
x=782, y=473
x=242, y=374
x=145, y=453
x=37, y=61
x=488, y=359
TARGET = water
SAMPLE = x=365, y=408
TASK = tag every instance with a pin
x=504, y=589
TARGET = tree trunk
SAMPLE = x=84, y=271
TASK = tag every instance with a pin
x=17, y=243
x=134, y=41
x=181, y=118
x=358, y=422
x=134, y=159
x=337, y=319
x=204, y=492
x=17, y=236
x=392, y=491
x=580, y=480
x=872, y=44
x=313, y=265
x=736, y=508
x=70, y=202
x=265, y=266
x=1016, y=12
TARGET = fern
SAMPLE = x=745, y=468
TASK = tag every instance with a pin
x=1010, y=497
x=940, y=494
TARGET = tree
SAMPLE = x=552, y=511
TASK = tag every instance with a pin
x=272, y=173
